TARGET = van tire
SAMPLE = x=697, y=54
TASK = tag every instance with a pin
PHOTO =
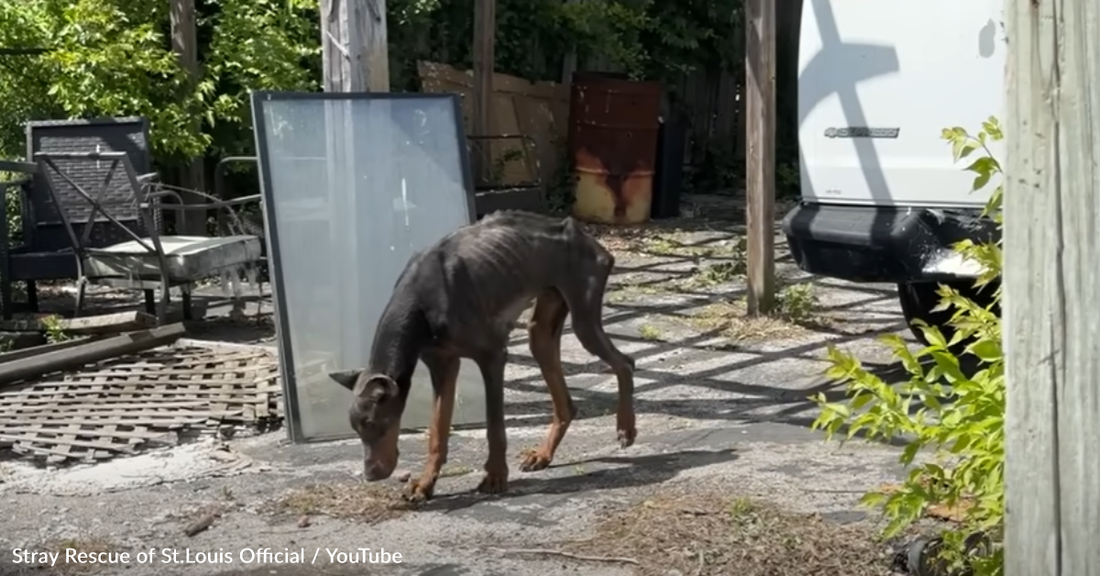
x=919, y=298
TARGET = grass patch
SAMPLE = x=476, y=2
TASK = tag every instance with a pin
x=713, y=274
x=450, y=471
x=730, y=267
x=369, y=502
x=796, y=309
x=716, y=535
x=672, y=245
x=632, y=292
x=649, y=332
x=666, y=245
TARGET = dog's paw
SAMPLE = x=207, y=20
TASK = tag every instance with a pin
x=533, y=460
x=627, y=437
x=493, y=484
x=417, y=493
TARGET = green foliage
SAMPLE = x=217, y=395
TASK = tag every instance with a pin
x=952, y=413
x=113, y=58
x=106, y=57
x=721, y=169
x=656, y=39
x=797, y=302
x=255, y=45
x=54, y=331
x=788, y=179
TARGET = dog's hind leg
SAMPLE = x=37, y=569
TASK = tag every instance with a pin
x=444, y=374
x=585, y=300
x=544, y=333
x=496, y=466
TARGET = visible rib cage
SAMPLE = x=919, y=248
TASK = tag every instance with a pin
x=459, y=299
x=482, y=276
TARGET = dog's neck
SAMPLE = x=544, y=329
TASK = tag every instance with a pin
x=398, y=340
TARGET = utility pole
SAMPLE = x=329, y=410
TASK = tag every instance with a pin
x=356, y=59
x=354, y=46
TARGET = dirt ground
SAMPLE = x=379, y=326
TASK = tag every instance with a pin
x=725, y=477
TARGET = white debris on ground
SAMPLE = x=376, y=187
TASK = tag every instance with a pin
x=181, y=463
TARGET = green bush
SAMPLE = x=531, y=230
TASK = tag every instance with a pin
x=951, y=414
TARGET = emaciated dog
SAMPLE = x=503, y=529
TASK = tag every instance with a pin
x=461, y=298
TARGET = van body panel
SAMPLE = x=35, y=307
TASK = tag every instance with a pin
x=879, y=80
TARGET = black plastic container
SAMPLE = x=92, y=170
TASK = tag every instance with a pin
x=668, y=171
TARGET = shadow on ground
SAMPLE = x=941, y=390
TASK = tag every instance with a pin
x=605, y=472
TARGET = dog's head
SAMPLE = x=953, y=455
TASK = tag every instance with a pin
x=375, y=414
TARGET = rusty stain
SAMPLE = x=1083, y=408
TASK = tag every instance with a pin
x=613, y=141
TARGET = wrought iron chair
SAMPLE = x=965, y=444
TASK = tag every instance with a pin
x=40, y=248
x=131, y=206
x=17, y=184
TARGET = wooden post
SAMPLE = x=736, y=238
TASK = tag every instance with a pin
x=485, y=29
x=760, y=162
x=193, y=175
x=1052, y=283
x=354, y=46
x=355, y=59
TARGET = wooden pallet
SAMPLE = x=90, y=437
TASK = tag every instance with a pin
x=121, y=405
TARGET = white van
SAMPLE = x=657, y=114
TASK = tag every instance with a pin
x=882, y=198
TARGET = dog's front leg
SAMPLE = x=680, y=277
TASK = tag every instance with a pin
x=496, y=466
x=444, y=374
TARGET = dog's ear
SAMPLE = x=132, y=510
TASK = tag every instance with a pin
x=346, y=378
x=378, y=388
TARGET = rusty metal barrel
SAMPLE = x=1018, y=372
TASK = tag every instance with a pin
x=613, y=125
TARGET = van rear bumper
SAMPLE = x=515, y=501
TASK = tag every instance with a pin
x=883, y=243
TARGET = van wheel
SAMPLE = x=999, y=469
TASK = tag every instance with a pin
x=919, y=298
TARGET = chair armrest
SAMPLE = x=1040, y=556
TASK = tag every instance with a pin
x=212, y=204
x=22, y=167
x=163, y=190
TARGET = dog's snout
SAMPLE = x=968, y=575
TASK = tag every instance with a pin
x=374, y=471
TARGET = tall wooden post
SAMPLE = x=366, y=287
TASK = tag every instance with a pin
x=1052, y=284
x=193, y=175
x=354, y=46
x=485, y=28
x=356, y=59
x=760, y=161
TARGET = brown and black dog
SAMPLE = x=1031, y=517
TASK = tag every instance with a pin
x=461, y=298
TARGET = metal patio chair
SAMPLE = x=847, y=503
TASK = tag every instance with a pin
x=40, y=248
x=131, y=206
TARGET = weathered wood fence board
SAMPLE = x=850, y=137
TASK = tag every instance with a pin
x=1052, y=284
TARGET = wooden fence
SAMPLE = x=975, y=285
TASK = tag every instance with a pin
x=711, y=98
x=713, y=103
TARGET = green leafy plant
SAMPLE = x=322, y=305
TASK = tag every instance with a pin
x=948, y=412
x=788, y=179
x=649, y=332
x=55, y=332
x=501, y=165
x=797, y=302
